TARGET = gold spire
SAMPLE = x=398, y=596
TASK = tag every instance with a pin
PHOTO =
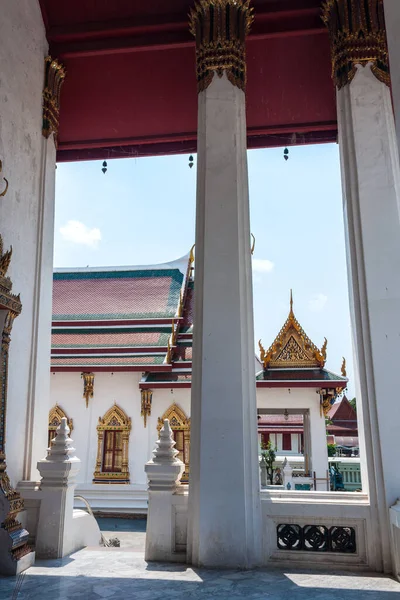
x=292, y=347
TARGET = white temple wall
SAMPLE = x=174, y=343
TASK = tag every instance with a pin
x=122, y=388
x=26, y=223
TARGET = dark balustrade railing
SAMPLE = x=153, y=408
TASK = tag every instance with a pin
x=316, y=538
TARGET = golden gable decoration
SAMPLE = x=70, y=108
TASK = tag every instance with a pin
x=292, y=348
x=113, y=432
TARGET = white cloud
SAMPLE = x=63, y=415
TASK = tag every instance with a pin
x=262, y=265
x=317, y=302
x=78, y=233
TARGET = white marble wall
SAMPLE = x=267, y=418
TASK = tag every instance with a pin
x=122, y=388
x=26, y=223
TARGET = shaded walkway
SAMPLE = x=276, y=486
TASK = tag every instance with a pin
x=117, y=574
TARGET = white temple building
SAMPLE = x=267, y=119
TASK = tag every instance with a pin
x=130, y=72
x=121, y=363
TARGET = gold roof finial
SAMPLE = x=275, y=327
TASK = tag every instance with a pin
x=343, y=368
x=323, y=349
x=262, y=351
x=191, y=255
x=291, y=302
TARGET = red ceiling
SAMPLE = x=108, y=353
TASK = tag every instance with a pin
x=131, y=89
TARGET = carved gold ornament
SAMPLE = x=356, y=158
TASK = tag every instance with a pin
x=145, y=404
x=191, y=255
x=113, y=441
x=4, y=192
x=327, y=399
x=88, y=386
x=357, y=36
x=54, y=75
x=220, y=28
x=292, y=347
x=10, y=308
x=180, y=305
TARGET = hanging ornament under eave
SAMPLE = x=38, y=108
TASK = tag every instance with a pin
x=286, y=154
x=104, y=169
x=191, y=161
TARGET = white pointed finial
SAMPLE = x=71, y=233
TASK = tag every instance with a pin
x=165, y=451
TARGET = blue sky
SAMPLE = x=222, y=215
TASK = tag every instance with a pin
x=142, y=211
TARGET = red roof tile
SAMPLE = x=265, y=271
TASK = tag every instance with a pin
x=116, y=295
x=103, y=339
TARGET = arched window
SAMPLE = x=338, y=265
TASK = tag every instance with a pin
x=180, y=425
x=112, y=447
x=55, y=416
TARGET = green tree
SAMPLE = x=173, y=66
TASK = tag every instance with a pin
x=353, y=404
x=269, y=454
x=331, y=449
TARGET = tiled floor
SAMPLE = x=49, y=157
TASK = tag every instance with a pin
x=113, y=573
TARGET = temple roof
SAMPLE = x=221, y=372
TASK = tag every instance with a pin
x=122, y=318
x=321, y=376
x=342, y=411
x=117, y=293
x=292, y=348
x=141, y=318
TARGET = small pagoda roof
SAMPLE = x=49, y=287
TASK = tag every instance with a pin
x=302, y=377
x=292, y=348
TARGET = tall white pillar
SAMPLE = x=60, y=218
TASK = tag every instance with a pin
x=224, y=528
x=392, y=20
x=371, y=200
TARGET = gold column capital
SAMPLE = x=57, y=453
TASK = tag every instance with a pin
x=220, y=28
x=357, y=36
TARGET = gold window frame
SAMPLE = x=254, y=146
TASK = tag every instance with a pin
x=55, y=415
x=115, y=419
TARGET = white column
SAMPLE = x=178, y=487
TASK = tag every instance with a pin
x=307, y=443
x=38, y=397
x=392, y=19
x=56, y=534
x=224, y=498
x=164, y=472
x=319, y=449
x=371, y=196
